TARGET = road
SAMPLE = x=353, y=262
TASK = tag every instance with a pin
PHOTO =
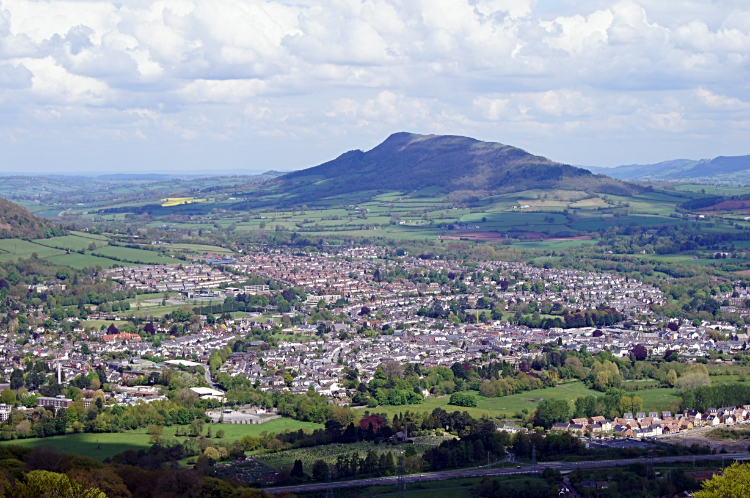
x=481, y=472
x=207, y=375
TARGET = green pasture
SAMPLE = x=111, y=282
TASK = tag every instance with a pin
x=70, y=242
x=660, y=398
x=103, y=445
x=97, y=324
x=17, y=248
x=78, y=261
x=238, y=431
x=497, y=407
x=96, y=446
x=553, y=244
x=709, y=189
x=198, y=248
x=88, y=235
x=135, y=255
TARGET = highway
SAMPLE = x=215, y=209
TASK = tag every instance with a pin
x=483, y=471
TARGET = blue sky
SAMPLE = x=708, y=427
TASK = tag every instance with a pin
x=252, y=85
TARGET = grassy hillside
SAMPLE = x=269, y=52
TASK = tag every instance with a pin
x=17, y=221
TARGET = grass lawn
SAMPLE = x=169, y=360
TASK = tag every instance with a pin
x=86, y=444
x=505, y=406
x=238, y=431
x=112, y=443
x=661, y=398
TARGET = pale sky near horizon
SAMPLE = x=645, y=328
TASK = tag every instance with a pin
x=152, y=86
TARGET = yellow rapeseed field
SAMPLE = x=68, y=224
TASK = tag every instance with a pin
x=176, y=201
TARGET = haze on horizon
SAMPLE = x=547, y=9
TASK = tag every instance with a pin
x=149, y=86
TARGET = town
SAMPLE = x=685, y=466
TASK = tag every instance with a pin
x=356, y=309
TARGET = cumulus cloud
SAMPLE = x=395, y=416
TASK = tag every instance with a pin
x=346, y=73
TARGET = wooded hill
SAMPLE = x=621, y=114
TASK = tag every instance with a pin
x=19, y=222
x=408, y=162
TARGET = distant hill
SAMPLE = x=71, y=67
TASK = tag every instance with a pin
x=408, y=162
x=19, y=222
x=644, y=171
x=719, y=169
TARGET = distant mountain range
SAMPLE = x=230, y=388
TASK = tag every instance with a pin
x=719, y=169
x=409, y=162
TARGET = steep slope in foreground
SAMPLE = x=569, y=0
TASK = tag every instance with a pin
x=408, y=162
x=19, y=222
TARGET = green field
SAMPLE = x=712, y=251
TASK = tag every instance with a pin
x=198, y=248
x=135, y=255
x=78, y=261
x=660, y=398
x=237, y=431
x=505, y=406
x=101, y=446
x=96, y=446
x=70, y=242
x=17, y=248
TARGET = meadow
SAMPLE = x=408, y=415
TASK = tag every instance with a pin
x=103, y=445
x=70, y=242
x=17, y=248
x=78, y=261
x=503, y=407
x=96, y=446
x=135, y=255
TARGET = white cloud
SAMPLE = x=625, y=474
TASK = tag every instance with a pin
x=721, y=102
x=337, y=74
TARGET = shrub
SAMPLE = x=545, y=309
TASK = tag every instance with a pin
x=463, y=399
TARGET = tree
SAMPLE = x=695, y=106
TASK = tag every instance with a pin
x=463, y=399
x=672, y=378
x=320, y=470
x=735, y=482
x=212, y=453
x=550, y=411
x=585, y=406
x=693, y=380
x=250, y=442
x=16, y=379
x=7, y=397
x=392, y=370
x=297, y=469
x=53, y=485
x=639, y=352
